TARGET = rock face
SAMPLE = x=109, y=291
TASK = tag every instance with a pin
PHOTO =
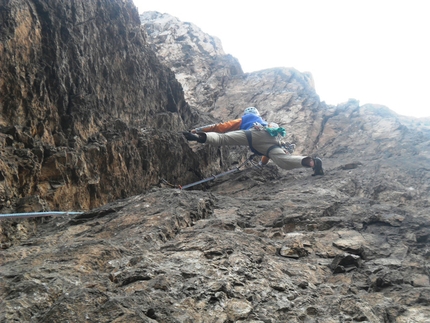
x=87, y=111
x=261, y=245
x=216, y=84
x=196, y=58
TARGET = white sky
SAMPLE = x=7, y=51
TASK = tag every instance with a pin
x=375, y=51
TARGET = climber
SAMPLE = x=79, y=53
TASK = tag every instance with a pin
x=262, y=138
x=250, y=117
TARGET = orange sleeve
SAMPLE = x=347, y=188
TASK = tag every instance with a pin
x=231, y=125
x=265, y=160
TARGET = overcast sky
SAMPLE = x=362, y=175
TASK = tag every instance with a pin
x=375, y=51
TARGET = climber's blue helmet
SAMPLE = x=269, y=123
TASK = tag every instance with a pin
x=251, y=110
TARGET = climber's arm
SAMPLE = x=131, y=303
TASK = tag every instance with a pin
x=231, y=125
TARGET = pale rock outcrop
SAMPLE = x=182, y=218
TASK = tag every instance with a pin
x=196, y=58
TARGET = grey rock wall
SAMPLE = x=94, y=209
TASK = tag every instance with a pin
x=261, y=245
x=88, y=113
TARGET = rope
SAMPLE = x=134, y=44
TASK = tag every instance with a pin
x=237, y=169
x=36, y=214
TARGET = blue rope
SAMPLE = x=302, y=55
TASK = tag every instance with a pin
x=36, y=214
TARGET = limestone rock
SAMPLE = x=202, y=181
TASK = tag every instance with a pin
x=197, y=59
x=85, y=105
x=261, y=245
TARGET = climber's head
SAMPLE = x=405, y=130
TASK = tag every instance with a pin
x=251, y=110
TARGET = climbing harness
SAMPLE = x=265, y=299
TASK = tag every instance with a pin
x=249, y=138
x=286, y=146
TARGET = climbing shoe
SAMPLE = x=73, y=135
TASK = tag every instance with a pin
x=318, y=170
x=201, y=138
